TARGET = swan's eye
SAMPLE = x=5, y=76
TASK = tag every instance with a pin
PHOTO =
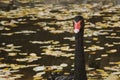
x=77, y=26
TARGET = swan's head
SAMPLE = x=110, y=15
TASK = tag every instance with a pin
x=77, y=23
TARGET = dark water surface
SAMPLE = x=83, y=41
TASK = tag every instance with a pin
x=23, y=39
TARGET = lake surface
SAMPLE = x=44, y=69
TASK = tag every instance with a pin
x=28, y=42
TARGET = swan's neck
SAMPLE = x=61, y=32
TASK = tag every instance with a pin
x=80, y=72
x=79, y=42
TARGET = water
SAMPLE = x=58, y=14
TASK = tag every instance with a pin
x=25, y=34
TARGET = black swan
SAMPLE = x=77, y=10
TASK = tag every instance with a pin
x=79, y=72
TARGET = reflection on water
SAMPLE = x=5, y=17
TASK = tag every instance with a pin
x=33, y=45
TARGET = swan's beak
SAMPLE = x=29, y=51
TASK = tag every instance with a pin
x=77, y=26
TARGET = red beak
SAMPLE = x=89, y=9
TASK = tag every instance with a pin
x=77, y=26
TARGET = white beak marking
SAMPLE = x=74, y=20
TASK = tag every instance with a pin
x=76, y=30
